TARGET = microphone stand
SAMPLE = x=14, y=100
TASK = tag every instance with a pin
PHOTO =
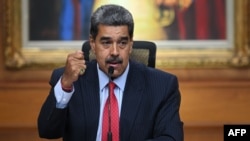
x=110, y=72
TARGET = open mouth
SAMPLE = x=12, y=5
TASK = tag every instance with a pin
x=114, y=61
x=114, y=64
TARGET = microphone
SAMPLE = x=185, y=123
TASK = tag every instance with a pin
x=110, y=72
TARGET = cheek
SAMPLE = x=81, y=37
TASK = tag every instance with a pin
x=101, y=55
x=128, y=52
x=125, y=56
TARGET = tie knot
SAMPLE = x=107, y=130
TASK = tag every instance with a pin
x=111, y=85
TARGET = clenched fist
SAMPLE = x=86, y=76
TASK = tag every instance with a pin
x=75, y=66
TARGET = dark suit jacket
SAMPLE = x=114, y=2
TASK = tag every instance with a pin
x=150, y=107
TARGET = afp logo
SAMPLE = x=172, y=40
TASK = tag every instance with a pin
x=237, y=132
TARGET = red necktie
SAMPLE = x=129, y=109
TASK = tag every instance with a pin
x=111, y=120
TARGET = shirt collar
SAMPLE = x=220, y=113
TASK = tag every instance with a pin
x=119, y=81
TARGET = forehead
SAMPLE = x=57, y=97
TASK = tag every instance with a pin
x=113, y=31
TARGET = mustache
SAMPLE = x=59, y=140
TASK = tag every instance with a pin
x=114, y=59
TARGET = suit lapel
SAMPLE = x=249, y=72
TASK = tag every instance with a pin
x=131, y=100
x=91, y=99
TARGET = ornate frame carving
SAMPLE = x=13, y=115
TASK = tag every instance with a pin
x=17, y=57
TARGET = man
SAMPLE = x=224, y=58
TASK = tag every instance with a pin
x=147, y=99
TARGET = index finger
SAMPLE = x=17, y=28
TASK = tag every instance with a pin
x=79, y=54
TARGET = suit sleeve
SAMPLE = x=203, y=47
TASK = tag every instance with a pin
x=51, y=120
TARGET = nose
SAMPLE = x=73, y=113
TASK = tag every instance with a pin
x=115, y=49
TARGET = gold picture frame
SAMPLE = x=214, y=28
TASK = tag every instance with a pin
x=18, y=57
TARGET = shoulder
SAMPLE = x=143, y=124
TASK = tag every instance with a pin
x=151, y=78
x=56, y=74
x=149, y=72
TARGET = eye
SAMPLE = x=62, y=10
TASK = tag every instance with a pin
x=123, y=43
x=106, y=43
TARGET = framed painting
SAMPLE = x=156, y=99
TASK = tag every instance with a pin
x=188, y=34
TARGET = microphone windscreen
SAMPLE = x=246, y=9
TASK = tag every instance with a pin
x=111, y=70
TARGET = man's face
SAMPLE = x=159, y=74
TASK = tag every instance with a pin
x=112, y=47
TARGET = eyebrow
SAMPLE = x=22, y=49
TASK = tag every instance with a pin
x=105, y=38
x=108, y=38
x=124, y=38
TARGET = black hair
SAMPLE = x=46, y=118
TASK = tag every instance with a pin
x=113, y=15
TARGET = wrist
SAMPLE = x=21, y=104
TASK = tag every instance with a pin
x=66, y=88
